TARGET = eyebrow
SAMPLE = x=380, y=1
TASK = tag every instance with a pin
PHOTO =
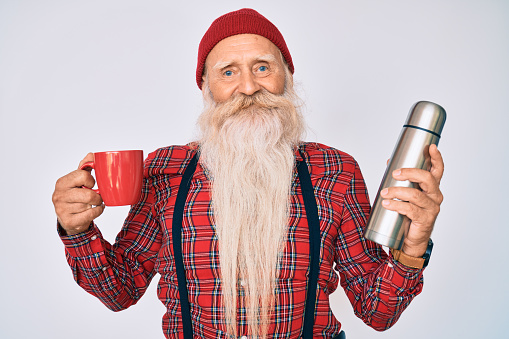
x=263, y=58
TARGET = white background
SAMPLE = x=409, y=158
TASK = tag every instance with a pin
x=80, y=76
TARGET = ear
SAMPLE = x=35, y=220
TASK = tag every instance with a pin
x=204, y=75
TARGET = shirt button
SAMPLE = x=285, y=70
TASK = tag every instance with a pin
x=94, y=237
x=243, y=284
x=390, y=265
x=243, y=337
x=105, y=268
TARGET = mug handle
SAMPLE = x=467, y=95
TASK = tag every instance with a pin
x=90, y=165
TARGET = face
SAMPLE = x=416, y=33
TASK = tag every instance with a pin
x=244, y=63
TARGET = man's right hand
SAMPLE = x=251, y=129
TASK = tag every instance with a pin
x=75, y=206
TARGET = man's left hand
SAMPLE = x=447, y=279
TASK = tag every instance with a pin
x=420, y=206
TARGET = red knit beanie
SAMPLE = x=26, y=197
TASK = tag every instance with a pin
x=243, y=21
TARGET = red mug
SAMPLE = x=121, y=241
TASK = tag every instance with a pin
x=119, y=176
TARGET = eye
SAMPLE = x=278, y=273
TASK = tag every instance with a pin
x=228, y=73
x=262, y=68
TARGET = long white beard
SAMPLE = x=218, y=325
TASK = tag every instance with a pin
x=248, y=146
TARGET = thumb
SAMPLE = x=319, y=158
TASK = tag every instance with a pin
x=88, y=158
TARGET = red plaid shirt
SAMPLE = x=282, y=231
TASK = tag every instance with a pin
x=378, y=287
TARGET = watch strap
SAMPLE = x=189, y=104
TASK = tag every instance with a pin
x=413, y=262
x=407, y=260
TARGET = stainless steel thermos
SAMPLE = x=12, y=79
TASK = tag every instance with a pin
x=422, y=128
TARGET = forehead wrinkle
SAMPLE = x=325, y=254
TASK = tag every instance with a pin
x=263, y=57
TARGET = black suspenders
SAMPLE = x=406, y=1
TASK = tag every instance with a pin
x=176, y=231
x=315, y=237
x=314, y=246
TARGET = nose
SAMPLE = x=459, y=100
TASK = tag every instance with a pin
x=248, y=84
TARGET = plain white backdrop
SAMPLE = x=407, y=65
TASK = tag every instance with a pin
x=81, y=76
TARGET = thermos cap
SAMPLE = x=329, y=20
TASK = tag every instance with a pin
x=427, y=115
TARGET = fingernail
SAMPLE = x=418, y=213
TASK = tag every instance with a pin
x=386, y=202
x=396, y=172
x=384, y=191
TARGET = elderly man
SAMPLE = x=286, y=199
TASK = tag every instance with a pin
x=250, y=226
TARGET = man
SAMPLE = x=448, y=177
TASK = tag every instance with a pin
x=229, y=222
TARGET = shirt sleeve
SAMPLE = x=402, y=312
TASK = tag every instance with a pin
x=118, y=274
x=378, y=287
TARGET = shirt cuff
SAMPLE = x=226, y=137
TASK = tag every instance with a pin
x=82, y=244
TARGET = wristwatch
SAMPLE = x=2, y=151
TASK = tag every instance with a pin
x=413, y=262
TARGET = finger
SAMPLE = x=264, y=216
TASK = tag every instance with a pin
x=423, y=178
x=82, y=178
x=72, y=210
x=74, y=179
x=411, y=195
x=437, y=163
x=91, y=213
x=88, y=158
x=86, y=217
x=82, y=219
x=84, y=196
x=419, y=216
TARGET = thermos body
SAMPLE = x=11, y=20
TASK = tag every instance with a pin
x=422, y=128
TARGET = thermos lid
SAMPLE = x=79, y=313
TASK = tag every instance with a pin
x=427, y=115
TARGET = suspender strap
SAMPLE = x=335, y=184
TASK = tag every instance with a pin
x=178, y=214
x=314, y=245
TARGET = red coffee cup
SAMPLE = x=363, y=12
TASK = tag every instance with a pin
x=119, y=176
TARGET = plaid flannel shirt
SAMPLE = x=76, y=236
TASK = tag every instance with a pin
x=378, y=287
